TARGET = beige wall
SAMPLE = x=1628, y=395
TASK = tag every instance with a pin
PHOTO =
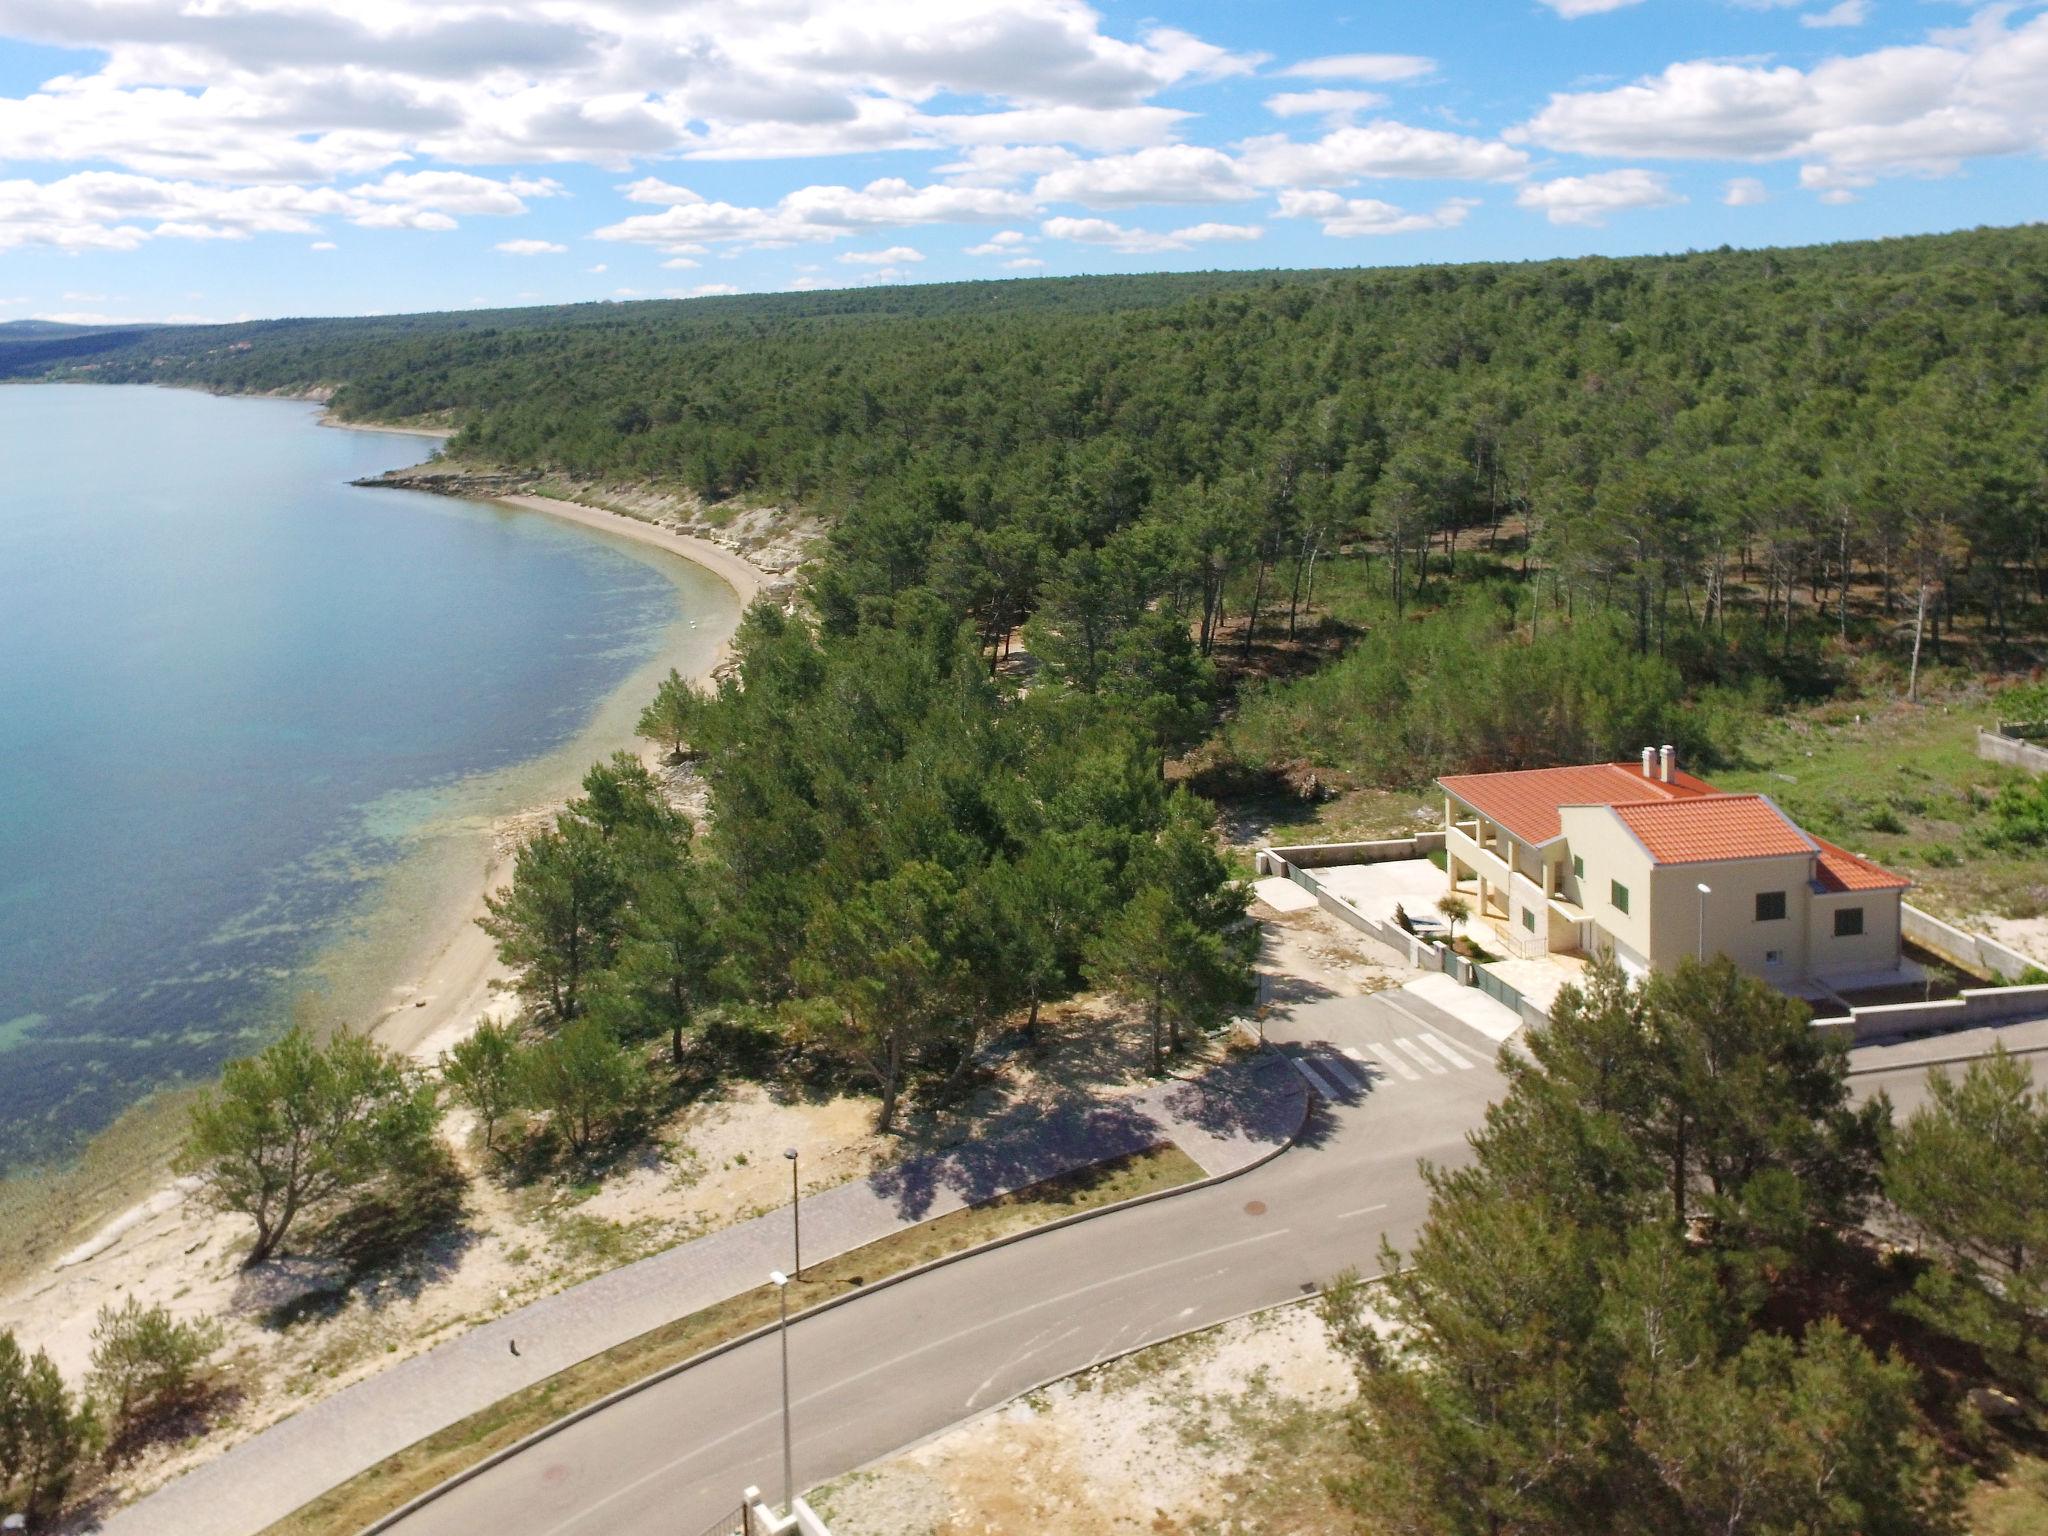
x=1610, y=851
x=1877, y=949
x=1732, y=926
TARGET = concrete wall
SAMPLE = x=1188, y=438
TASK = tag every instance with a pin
x=1978, y=1006
x=1972, y=951
x=1268, y=861
x=1996, y=747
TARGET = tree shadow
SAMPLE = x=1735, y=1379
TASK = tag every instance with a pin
x=405, y=1237
x=185, y=1417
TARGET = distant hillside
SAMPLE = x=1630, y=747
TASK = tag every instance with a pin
x=29, y=347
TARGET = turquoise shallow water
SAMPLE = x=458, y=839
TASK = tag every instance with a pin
x=239, y=699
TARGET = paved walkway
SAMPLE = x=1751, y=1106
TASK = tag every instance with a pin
x=1223, y=1119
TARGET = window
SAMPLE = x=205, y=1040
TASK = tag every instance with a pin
x=1529, y=920
x=1774, y=957
x=1848, y=922
x=1770, y=906
x=1578, y=867
x=1618, y=894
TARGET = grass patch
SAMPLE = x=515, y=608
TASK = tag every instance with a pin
x=421, y=1466
x=2013, y=1504
x=1903, y=785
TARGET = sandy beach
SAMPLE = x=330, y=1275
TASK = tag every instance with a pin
x=458, y=984
x=420, y=999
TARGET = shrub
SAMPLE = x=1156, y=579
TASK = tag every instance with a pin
x=1884, y=819
x=145, y=1360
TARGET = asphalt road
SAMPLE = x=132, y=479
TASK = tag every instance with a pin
x=899, y=1365
x=1399, y=1083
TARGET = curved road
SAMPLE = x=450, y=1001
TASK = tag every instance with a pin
x=913, y=1358
x=1403, y=1081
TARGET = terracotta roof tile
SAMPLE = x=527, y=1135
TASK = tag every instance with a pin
x=1526, y=800
x=1710, y=828
x=1840, y=870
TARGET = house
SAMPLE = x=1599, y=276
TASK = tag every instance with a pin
x=1650, y=864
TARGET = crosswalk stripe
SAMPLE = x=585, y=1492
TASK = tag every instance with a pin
x=1443, y=1048
x=1315, y=1079
x=1416, y=1053
x=1344, y=1072
x=1393, y=1061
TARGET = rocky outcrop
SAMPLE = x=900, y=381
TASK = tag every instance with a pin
x=454, y=482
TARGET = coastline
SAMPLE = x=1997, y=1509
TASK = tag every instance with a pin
x=459, y=980
x=417, y=979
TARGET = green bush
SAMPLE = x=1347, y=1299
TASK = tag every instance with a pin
x=145, y=1360
x=2020, y=815
x=1883, y=818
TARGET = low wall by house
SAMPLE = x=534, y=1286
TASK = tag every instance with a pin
x=1976, y=1007
x=1972, y=951
x=1997, y=747
x=1272, y=861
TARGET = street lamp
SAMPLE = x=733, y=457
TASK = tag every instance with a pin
x=796, y=1217
x=781, y=1282
x=1705, y=891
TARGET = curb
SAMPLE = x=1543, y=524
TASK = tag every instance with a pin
x=1109, y=1359
x=1948, y=1061
x=525, y=1443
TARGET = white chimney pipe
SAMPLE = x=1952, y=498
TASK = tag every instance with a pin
x=1649, y=762
x=1667, y=759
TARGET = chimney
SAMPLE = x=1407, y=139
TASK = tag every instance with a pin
x=1667, y=759
x=1649, y=762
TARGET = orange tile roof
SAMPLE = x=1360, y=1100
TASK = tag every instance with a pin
x=1526, y=800
x=1840, y=870
x=1711, y=828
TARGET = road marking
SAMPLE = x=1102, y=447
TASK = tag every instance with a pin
x=1393, y=1061
x=1315, y=1079
x=669, y=1467
x=1363, y=1210
x=1417, y=1053
x=1344, y=1072
x=1443, y=1049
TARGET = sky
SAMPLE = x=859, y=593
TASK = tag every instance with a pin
x=230, y=159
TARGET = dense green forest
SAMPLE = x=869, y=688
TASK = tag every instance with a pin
x=1723, y=458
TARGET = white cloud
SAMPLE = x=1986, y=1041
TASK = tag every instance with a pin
x=1376, y=68
x=1122, y=238
x=712, y=290
x=673, y=264
x=1571, y=10
x=1385, y=148
x=890, y=257
x=1348, y=217
x=1177, y=173
x=1339, y=107
x=1002, y=243
x=603, y=267
x=1589, y=200
x=1849, y=13
x=112, y=210
x=321, y=245
x=1744, y=192
x=1915, y=110
x=530, y=248
x=1023, y=263
x=311, y=90
x=818, y=213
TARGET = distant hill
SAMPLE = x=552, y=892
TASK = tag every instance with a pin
x=29, y=347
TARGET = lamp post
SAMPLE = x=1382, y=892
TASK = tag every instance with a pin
x=781, y=1282
x=796, y=1215
x=1705, y=891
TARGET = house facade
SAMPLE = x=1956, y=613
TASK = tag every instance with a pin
x=1650, y=864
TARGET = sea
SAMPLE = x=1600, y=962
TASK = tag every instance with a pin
x=259, y=727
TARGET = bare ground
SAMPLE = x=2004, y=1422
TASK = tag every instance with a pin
x=1229, y=1430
